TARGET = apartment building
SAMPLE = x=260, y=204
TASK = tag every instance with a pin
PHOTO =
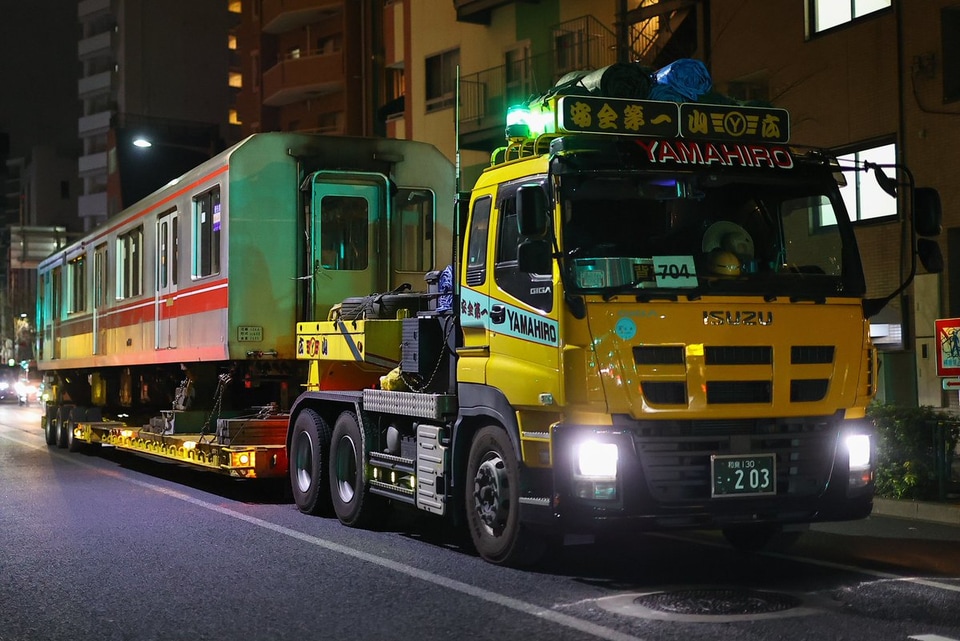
x=164, y=69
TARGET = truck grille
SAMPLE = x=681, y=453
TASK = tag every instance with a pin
x=675, y=455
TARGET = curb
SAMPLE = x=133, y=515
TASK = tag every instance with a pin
x=946, y=513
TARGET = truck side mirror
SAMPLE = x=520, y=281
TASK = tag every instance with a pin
x=928, y=251
x=531, y=211
x=534, y=256
x=927, y=213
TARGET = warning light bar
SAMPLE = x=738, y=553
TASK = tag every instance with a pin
x=628, y=117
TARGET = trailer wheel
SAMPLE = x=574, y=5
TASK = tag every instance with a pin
x=309, y=445
x=64, y=430
x=353, y=502
x=50, y=425
x=493, y=503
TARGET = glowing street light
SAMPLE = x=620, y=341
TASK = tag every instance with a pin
x=142, y=143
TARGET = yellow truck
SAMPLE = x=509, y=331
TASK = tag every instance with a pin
x=656, y=320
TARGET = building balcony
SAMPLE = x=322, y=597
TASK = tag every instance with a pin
x=97, y=83
x=92, y=164
x=282, y=16
x=92, y=8
x=478, y=11
x=98, y=45
x=94, y=124
x=301, y=78
x=92, y=205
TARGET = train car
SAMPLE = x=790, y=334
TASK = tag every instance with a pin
x=186, y=304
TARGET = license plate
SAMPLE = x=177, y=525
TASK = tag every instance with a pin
x=754, y=475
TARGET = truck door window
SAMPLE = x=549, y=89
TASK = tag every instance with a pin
x=534, y=289
x=477, y=248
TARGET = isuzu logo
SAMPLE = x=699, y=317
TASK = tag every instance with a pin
x=727, y=317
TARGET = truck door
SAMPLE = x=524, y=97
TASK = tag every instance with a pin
x=347, y=228
x=524, y=324
x=167, y=276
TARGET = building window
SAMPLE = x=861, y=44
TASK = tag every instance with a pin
x=826, y=14
x=130, y=264
x=862, y=195
x=206, y=234
x=441, y=79
x=77, y=285
x=234, y=6
x=235, y=80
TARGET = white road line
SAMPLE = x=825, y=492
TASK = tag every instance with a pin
x=496, y=598
x=930, y=637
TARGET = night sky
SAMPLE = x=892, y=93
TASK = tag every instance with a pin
x=38, y=74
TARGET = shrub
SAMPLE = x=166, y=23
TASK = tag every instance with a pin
x=907, y=449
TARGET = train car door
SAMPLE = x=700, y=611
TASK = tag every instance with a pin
x=347, y=244
x=99, y=296
x=56, y=313
x=168, y=238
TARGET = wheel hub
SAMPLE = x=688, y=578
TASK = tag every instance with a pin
x=491, y=492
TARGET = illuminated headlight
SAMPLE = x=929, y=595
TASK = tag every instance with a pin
x=858, y=449
x=598, y=461
x=859, y=455
x=596, y=475
x=4, y=385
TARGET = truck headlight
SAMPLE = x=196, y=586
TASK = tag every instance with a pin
x=858, y=449
x=596, y=475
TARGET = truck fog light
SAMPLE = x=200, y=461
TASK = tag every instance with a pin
x=597, y=461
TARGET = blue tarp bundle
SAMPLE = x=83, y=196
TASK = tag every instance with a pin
x=682, y=80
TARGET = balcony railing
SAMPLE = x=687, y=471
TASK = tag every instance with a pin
x=580, y=44
x=298, y=78
x=282, y=16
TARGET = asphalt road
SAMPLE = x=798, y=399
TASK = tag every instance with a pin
x=108, y=546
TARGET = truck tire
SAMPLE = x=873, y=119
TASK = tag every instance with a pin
x=492, y=500
x=353, y=503
x=50, y=426
x=309, y=445
x=64, y=429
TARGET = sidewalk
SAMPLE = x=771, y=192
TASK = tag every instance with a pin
x=947, y=513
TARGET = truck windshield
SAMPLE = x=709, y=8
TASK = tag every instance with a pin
x=707, y=234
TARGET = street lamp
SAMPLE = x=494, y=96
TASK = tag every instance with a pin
x=143, y=143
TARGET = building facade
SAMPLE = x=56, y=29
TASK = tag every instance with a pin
x=146, y=63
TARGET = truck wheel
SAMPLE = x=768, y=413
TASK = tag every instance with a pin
x=64, y=427
x=492, y=502
x=353, y=502
x=50, y=425
x=309, y=445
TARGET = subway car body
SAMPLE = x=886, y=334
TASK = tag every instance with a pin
x=189, y=299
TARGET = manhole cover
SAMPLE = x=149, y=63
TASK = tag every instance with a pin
x=718, y=602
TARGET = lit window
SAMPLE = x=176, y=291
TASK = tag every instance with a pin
x=232, y=42
x=234, y=6
x=826, y=14
x=235, y=79
x=862, y=195
x=234, y=119
x=130, y=264
x=206, y=234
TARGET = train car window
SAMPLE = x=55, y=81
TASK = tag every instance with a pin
x=413, y=230
x=206, y=233
x=130, y=263
x=100, y=276
x=345, y=222
x=77, y=285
